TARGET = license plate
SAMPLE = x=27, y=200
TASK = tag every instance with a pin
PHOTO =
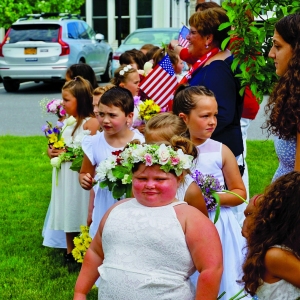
x=30, y=51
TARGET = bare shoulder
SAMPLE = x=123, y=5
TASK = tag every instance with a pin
x=92, y=124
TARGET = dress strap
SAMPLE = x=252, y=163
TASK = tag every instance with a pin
x=283, y=247
x=177, y=203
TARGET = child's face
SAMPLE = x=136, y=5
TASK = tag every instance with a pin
x=202, y=120
x=179, y=67
x=153, y=187
x=132, y=83
x=112, y=119
x=69, y=103
x=248, y=217
x=96, y=99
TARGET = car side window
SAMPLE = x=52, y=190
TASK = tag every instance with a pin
x=82, y=31
x=72, y=31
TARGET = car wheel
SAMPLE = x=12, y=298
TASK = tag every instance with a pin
x=11, y=85
x=106, y=77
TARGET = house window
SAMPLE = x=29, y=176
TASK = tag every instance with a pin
x=144, y=14
x=122, y=8
x=100, y=17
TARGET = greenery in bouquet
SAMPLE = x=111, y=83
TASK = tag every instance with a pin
x=53, y=106
x=115, y=176
x=82, y=243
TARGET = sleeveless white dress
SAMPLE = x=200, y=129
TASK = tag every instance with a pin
x=280, y=290
x=69, y=201
x=145, y=254
x=180, y=194
x=209, y=161
x=97, y=149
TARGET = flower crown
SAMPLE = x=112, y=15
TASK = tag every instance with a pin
x=125, y=69
x=116, y=171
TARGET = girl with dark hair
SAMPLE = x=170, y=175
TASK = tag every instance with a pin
x=272, y=265
x=283, y=107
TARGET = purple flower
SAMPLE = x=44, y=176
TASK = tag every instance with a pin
x=45, y=128
x=136, y=100
x=59, y=124
x=56, y=130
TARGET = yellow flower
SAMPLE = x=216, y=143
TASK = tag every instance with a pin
x=52, y=138
x=59, y=144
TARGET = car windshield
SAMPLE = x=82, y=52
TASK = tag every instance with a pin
x=151, y=37
x=34, y=32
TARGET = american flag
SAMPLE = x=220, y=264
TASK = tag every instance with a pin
x=161, y=82
x=182, y=37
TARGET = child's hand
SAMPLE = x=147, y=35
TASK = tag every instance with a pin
x=87, y=181
x=54, y=152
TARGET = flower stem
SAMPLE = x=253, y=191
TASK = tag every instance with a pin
x=230, y=192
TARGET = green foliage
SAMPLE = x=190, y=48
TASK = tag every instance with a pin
x=253, y=40
x=11, y=10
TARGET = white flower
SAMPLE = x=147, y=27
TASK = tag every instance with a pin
x=126, y=179
x=125, y=69
x=121, y=72
x=185, y=160
x=70, y=121
x=163, y=154
x=148, y=67
x=138, y=153
x=129, y=67
x=55, y=162
x=110, y=176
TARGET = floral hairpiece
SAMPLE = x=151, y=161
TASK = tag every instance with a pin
x=125, y=69
x=116, y=171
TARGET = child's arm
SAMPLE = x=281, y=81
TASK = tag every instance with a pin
x=205, y=247
x=282, y=264
x=91, y=207
x=233, y=179
x=194, y=197
x=85, y=178
x=92, y=124
x=53, y=152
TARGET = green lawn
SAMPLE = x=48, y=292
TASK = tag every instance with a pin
x=27, y=269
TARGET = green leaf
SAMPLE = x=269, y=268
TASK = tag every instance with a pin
x=103, y=184
x=217, y=198
x=129, y=191
x=118, y=191
x=120, y=171
x=76, y=164
x=224, y=25
x=225, y=42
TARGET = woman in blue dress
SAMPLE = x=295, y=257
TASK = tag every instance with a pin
x=283, y=107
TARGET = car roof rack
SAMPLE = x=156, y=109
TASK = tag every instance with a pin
x=42, y=16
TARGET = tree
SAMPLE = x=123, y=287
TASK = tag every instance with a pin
x=254, y=40
x=11, y=10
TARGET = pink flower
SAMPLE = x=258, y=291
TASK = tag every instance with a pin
x=175, y=160
x=148, y=159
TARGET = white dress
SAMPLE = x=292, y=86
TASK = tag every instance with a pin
x=280, y=290
x=180, y=194
x=145, y=255
x=209, y=161
x=69, y=201
x=97, y=149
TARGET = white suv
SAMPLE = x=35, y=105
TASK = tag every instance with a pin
x=37, y=48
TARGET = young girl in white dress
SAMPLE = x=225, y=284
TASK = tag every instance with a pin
x=69, y=203
x=147, y=247
x=272, y=266
x=198, y=108
x=115, y=117
x=161, y=129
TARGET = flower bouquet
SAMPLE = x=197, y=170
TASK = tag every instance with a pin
x=146, y=109
x=114, y=175
x=210, y=187
x=53, y=106
x=82, y=243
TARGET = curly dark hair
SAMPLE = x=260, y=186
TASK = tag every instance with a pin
x=283, y=106
x=275, y=222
